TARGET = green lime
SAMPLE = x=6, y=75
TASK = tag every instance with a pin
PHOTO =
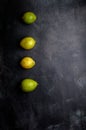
x=29, y=17
x=28, y=85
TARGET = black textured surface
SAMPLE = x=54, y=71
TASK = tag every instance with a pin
x=59, y=102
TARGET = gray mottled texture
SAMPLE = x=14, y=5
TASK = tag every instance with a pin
x=59, y=102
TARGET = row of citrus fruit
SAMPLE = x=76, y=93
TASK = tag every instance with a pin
x=27, y=43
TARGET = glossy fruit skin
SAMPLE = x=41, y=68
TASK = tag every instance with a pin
x=29, y=17
x=27, y=43
x=28, y=85
x=27, y=63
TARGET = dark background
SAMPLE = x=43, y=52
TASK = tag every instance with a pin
x=59, y=102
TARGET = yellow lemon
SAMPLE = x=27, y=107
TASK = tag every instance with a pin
x=27, y=63
x=27, y=43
